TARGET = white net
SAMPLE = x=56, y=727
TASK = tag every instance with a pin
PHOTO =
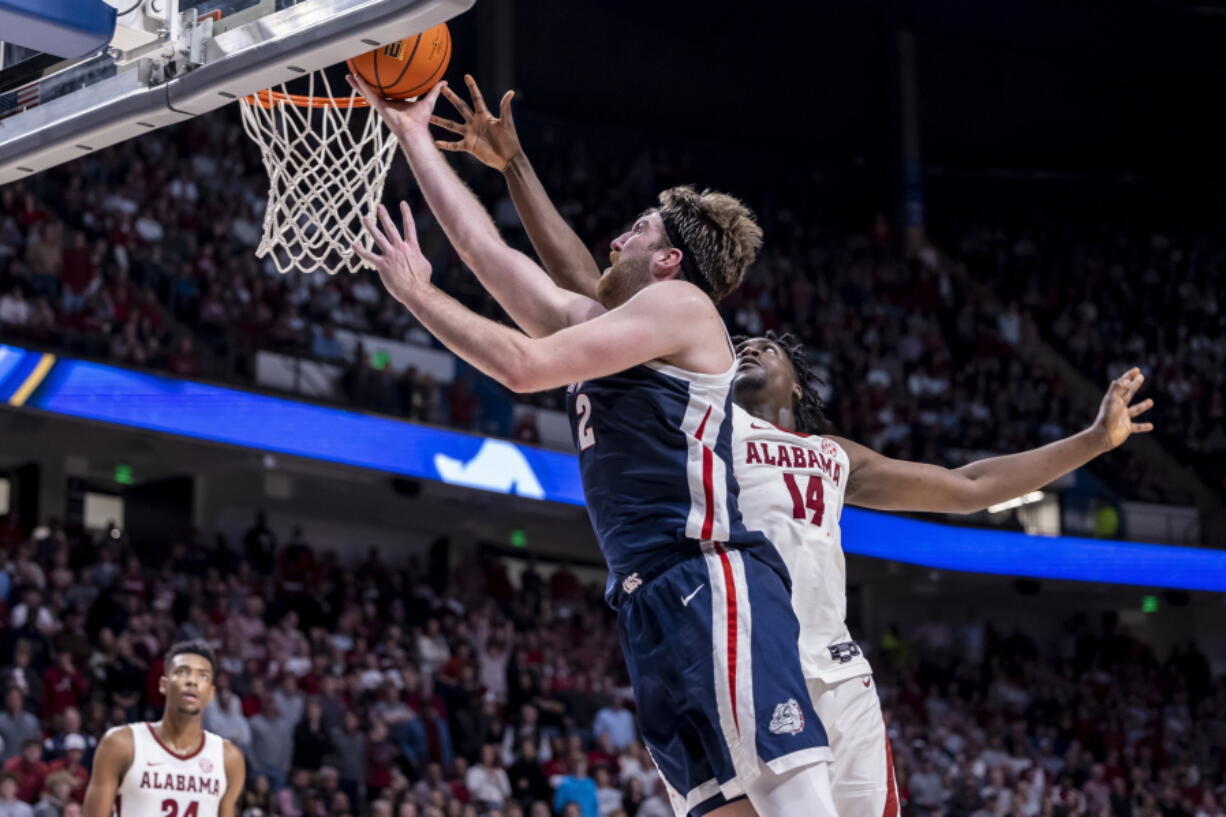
x=327, y=160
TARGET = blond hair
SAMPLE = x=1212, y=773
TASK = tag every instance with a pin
x=716, y=233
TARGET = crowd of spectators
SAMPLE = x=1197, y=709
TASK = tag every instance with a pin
x=1108, y=297
x=1089, y=721
x=386, y=688
x=144, y=253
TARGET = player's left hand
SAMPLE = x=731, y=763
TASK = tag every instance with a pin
x=1116, y=414
x=400, y=262
x=491, y=139
x=402, y=117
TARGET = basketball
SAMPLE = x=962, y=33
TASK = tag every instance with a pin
x=408, y=67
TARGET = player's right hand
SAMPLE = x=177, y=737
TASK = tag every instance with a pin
x=492, y=139
x=401, y=117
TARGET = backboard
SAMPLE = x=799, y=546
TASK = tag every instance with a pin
x=168, y=63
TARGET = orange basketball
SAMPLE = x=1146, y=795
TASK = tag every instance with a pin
x=408, y=67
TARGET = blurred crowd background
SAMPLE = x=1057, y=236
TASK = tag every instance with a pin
x=440, y=687
x=1074, y=225
x=976, y=344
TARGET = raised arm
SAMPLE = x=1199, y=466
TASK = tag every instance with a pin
x=111, y=763
x=896, y=485
x=492, y=140
x=516, y=282
x=666, y=320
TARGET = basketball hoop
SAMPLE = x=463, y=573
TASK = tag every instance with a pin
x=327, y=159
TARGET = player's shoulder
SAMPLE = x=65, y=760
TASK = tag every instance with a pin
x=122, y=735
x=231, y=755
x=117, y=746
x=850, y=448
x=674, y=295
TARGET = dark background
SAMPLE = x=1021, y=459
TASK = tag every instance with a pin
x=1069, y=104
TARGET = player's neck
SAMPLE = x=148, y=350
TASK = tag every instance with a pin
x=776, y=415
x=180, y=733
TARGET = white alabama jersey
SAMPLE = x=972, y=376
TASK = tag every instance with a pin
x=791, y=488
x=160, y=783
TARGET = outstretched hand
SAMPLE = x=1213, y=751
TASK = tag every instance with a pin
x=401, y=117
x=1116, y=414
x=491, y=139
x=400, y=262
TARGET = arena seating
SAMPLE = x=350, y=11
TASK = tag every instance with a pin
x=143, y=254
x=388, y=688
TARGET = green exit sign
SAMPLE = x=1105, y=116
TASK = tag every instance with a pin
x=1149, y=604
x=123, y=474
x=519, y=539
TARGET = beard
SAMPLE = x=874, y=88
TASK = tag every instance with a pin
x=622, y=281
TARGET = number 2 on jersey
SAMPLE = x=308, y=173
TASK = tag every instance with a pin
x=170, y=808
x=583, y=410
x=812, y=499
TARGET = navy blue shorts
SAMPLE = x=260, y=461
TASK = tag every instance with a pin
x=711, y=648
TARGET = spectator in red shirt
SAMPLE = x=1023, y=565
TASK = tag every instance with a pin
x=381, y=757
x=78, y=274
x=526, y=429
x=462, y=402
x=253, y=701
x=459, y=789
x=32, y=211
x=74, y=751
x=564, y=585
x=603, y=755
x=29, y=770
x=182, y=360
x=64, y=686
x=453, y=668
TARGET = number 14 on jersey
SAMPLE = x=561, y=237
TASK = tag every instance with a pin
x=812, y=497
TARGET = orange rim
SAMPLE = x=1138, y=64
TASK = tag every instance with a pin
x=270, y=99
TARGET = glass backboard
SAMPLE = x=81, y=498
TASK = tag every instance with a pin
x=162, y=70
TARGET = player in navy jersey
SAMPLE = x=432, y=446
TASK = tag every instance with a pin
x=703, y=604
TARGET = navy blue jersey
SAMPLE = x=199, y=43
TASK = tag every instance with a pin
x=704, y=613
x=655, y=449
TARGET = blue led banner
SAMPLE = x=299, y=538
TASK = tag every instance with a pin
x=975, y=550
x=137, y=399
x=109, y=394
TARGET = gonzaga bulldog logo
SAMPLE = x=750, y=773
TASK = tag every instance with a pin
x=788, y=719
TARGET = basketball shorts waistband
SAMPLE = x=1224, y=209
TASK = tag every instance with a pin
x=623, y=585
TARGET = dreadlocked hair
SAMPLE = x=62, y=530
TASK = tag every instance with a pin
x=718, y=232
x=809, y=409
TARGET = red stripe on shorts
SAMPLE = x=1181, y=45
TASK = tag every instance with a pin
x=891, y=794
x=730, y=601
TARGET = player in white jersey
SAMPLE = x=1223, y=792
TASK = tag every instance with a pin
x=794, y=479
x=171, y=768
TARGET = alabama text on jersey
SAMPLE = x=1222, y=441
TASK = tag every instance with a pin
x=792, y=489
x=160, y=782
